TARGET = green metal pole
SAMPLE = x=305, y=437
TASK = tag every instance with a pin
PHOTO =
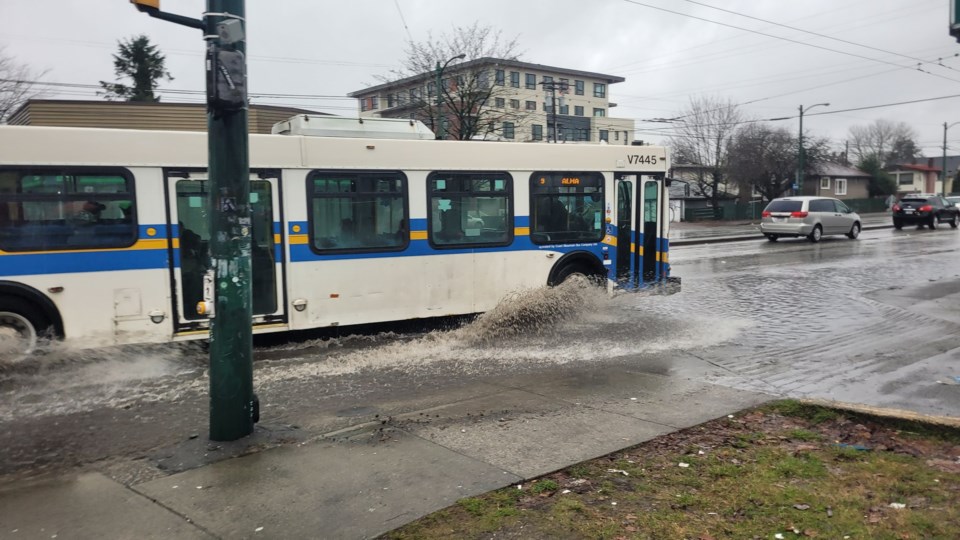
x=231, y=348
x=800, y=156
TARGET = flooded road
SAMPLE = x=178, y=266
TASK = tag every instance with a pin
x=871, y=321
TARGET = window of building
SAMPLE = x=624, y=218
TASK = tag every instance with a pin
x=578, y=110
x=905, y=179
x=508, y=130
x=531, y=105
x=375, y=102
x=514, y=103
x=564, y=109
x=431, y=89
x=841, y=188
x=604, y=135
x=391, y=100
x=599, y=90
x=515, y=79
x=824, y=182
x=470, y=209
x=599, y=112
x=414, y=95
x=616, y=135
x=547, y=79
x=52, y=209
x=357, y=211
x=578, y=87
x=499, y=77
x=564, y=85
x=530, y=81
x=547, y=108
x=566, y=207
x=537, y=132
x=500, y=102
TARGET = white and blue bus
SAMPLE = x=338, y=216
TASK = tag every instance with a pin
x=104, y=233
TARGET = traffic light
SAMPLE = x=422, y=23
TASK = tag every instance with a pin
x=146, y=5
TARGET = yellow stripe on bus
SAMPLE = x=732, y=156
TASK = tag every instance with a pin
x=156, y=243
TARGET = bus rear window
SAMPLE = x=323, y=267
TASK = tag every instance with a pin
x=43, y=210
x=566, y=207
x=358, y=211
x=784, y=206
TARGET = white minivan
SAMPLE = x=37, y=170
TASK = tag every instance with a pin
x=812, y=217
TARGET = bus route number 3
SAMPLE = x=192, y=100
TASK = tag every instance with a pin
x=640, y=159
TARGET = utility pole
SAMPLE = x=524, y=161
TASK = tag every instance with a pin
x=227, y=295
x=943, y=172
x=799, y=183
x=552, y=87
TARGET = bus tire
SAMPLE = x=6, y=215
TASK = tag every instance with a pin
x=577, y=270
x=21, y=320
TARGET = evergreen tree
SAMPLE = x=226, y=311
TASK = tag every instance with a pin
x=140, y=61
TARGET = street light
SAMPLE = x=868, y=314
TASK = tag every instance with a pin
x=441, y=132
x=943, y=172
x=800, y=148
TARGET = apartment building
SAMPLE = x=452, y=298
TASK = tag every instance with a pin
x=521, y=102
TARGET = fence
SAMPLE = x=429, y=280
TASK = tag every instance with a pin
x=737, y=211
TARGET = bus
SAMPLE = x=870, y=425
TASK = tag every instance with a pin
x=104, y=236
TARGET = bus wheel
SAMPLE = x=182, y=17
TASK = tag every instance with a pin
x=577, y=272
x=21, y=326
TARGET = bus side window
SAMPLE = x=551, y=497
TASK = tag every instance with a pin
x=56, y=208
x=470, y=209
x=354, y=211
x=566, y=207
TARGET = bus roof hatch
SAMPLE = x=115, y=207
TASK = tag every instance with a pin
x=342, y=126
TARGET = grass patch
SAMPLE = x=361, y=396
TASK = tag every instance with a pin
x=783, y=467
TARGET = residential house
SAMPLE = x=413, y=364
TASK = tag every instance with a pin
x=838, y=181
x=916, y=178
x=697, y=197
x=581, y=101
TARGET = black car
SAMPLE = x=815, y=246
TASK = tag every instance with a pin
x=929, y=211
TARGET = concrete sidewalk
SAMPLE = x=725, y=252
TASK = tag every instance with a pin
x=706, y=232
x=363, y=481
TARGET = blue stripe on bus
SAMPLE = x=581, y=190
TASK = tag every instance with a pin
x=90, y=261
x=419, y=248
x=416, y=224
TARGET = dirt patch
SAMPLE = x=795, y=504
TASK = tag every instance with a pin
x=788, y=470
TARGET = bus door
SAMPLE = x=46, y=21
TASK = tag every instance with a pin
x=651, y=228
x=188, y=204
x=627, y=258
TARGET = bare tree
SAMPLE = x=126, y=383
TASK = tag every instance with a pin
x=17, y=85
x=764, y=158
x=887, y=141
x=703, y=135
x=472, y=100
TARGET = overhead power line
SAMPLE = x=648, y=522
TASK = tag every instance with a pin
x=175, y=91
x=798, y=42
x=818, y=34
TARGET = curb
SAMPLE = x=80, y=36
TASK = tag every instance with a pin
x=745, y=237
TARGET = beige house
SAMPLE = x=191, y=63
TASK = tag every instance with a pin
x=914, y=178
x=137, y=115
x=837, y=181
x=519, y=92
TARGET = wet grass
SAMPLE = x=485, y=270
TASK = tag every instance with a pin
x=793, y=469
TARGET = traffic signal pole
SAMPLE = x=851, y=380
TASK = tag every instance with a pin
x=227, y=287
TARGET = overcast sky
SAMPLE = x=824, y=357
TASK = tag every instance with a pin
x=328, y=48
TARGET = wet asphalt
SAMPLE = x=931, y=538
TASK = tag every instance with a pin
x=873, y=321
